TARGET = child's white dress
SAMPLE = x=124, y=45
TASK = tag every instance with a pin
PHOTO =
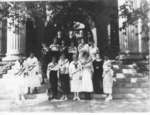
x=15, y=82
x=107, y=78
x=33, y=78
x=75, y=75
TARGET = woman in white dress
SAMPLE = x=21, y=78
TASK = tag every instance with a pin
x=108, y=79
x=82, y=47
x=75, y=77
x=87, y=72
x=93, y=50
x=33, y=73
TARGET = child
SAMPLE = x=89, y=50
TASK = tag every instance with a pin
x=33, y=75
x=75, y=76
x=107, y=79
x=97, y=77
x=64, y=76
x=52, y=74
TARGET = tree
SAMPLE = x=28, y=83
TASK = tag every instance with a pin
x=132, y=15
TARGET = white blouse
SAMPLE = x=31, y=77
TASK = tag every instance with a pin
x=54, y=47
x=63, y=66
x=72, y=50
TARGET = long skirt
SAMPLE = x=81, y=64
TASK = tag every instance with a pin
x=87, y=84
x=53, y=81
x=107, y=84
x=33, y=80
x=97, y=83
x=64, y=79
x=75, y=85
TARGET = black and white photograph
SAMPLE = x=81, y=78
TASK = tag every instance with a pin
x=76, y=56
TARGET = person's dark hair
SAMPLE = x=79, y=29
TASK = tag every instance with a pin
x=106, y=58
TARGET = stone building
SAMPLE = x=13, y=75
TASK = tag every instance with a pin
x=104, y=23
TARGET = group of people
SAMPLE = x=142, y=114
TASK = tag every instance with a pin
x=73, y=67
x=79, y=68
x=25, y=77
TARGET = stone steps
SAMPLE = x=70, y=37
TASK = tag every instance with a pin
x=131, y=90
x=132, y=85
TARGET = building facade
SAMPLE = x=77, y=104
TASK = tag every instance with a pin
x=104, y=23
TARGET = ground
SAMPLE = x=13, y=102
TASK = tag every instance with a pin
x=41, y=104
x=130, y=95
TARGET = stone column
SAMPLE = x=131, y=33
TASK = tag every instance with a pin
x=109, y=33
x=140, y=35
x=94, y=32
x=1, y=39
x=15, y=40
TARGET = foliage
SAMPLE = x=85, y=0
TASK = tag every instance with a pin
x=132, y=14
x=45, y=12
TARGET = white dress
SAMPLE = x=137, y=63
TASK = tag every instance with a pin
x=33, y=77
x=15, y=82
x=93, y=51
x=107, y=77
x=75, y=75
x=87, y=72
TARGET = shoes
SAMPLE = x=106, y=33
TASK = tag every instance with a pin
x=109, y=98
x=66, y=98
x=62, y=98
x=54, y=100
x=76, y=99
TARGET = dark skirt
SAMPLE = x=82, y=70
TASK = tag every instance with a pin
x=53, y=81
x=65, y=84
x=98, y=83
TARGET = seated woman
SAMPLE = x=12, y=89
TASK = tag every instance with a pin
x=82, y=47
x=33, y=73
x=54, y=48
x=72, y=49
x=93, y=50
